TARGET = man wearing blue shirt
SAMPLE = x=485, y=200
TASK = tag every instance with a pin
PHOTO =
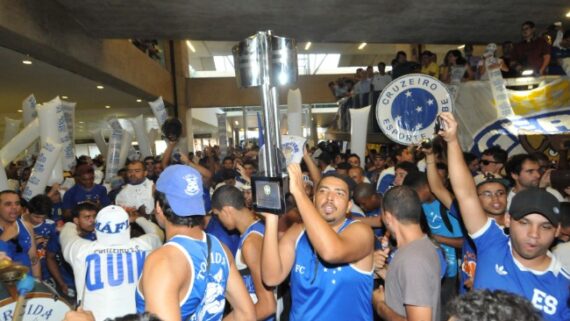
x=521, y=263
x=84, y=189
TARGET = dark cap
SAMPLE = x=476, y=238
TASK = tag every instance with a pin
x=535, y=200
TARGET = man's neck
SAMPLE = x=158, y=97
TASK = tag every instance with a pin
x=196, y=232
x=500, y=219
x=4, y=224
x=540, y=263
x=406, y=234
x=244, y=220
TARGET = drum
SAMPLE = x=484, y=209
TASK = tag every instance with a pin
x=42, y=303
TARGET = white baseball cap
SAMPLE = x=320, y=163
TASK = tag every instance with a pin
x=112, y=226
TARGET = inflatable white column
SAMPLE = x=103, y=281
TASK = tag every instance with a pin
x=498, y=85
x=141, y=136
x=358, y=130
x=3, y=180
x=113, y=150
x=51, y=118
x=153, y=135
x=39, y=178
x=29, y=113
x=11, y=129
x=69, y=116
x=17, y=145
x=159, y=111
x=100, y=141
x=294, y=113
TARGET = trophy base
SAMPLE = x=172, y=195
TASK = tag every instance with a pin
x=268, y=194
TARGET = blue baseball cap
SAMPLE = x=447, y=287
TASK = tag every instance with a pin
x=182, y=186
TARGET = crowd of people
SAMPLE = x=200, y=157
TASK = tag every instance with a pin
x=409, y=233
x=537, y=54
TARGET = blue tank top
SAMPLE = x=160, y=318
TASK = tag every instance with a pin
x=19, y=246
x=323, y=291
x=255, y=228
x=205, y=299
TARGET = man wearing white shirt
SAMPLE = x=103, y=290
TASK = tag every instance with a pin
x=139, y=190
x=381, y=79
x=106, y=270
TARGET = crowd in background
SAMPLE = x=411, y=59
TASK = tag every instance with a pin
x=538, y=53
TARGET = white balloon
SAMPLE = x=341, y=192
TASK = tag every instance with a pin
x=3, y=180
x=100, y=141
x=159, y=110
x=11, y=129
x=39, y=178
x=358, y=130
x=141, y=136
x=53, y=128
x=294, y=113
x=17, y=145
x=29, y=111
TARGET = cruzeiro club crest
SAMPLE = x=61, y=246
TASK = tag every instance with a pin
x=408, y=107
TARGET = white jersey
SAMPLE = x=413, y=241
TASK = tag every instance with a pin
x=108, y=273
x=137, y=195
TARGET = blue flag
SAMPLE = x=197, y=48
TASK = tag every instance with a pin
x=260, y=130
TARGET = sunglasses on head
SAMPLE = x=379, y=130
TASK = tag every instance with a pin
x=487, y=162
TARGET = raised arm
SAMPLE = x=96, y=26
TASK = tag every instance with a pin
x=314, y=171
x=277, y=255
x=461, y=180
x=435, y=182
x=353, y=244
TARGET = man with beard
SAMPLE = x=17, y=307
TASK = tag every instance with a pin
x=329, y=257
x=520, y=263
x=524, y=171
x=139, y=190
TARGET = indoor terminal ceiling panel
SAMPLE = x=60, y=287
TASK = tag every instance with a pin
x=373, y=21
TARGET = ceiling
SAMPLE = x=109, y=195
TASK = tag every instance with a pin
x=373, y=21
x=18, y=81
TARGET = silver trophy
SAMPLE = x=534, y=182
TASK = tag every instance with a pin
x=267, y=61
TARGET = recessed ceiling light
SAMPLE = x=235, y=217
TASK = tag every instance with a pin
x=236, y=122
x=568, y=14
x=189, y=44
x=100, y=87
x=362, y=45
x=139, y=100
x=107, y=106
x=27, y=62
x=19, y=110
x=461, y=47
x=82, y=122
x=308, y=45
x=527, y=72
x=64, y=97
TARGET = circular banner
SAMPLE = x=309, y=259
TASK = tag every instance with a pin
x=408, y=107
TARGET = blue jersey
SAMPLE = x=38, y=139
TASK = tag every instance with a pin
x=255, y=228
x=437, y=226
x=497, y=269
x=229, y=238
x=76, y=194
x=468, y=251
x=43, y=233
x=19, y=246
x=205, y=299
x=323, y=291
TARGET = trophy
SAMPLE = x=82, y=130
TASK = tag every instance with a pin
x=267, y=61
